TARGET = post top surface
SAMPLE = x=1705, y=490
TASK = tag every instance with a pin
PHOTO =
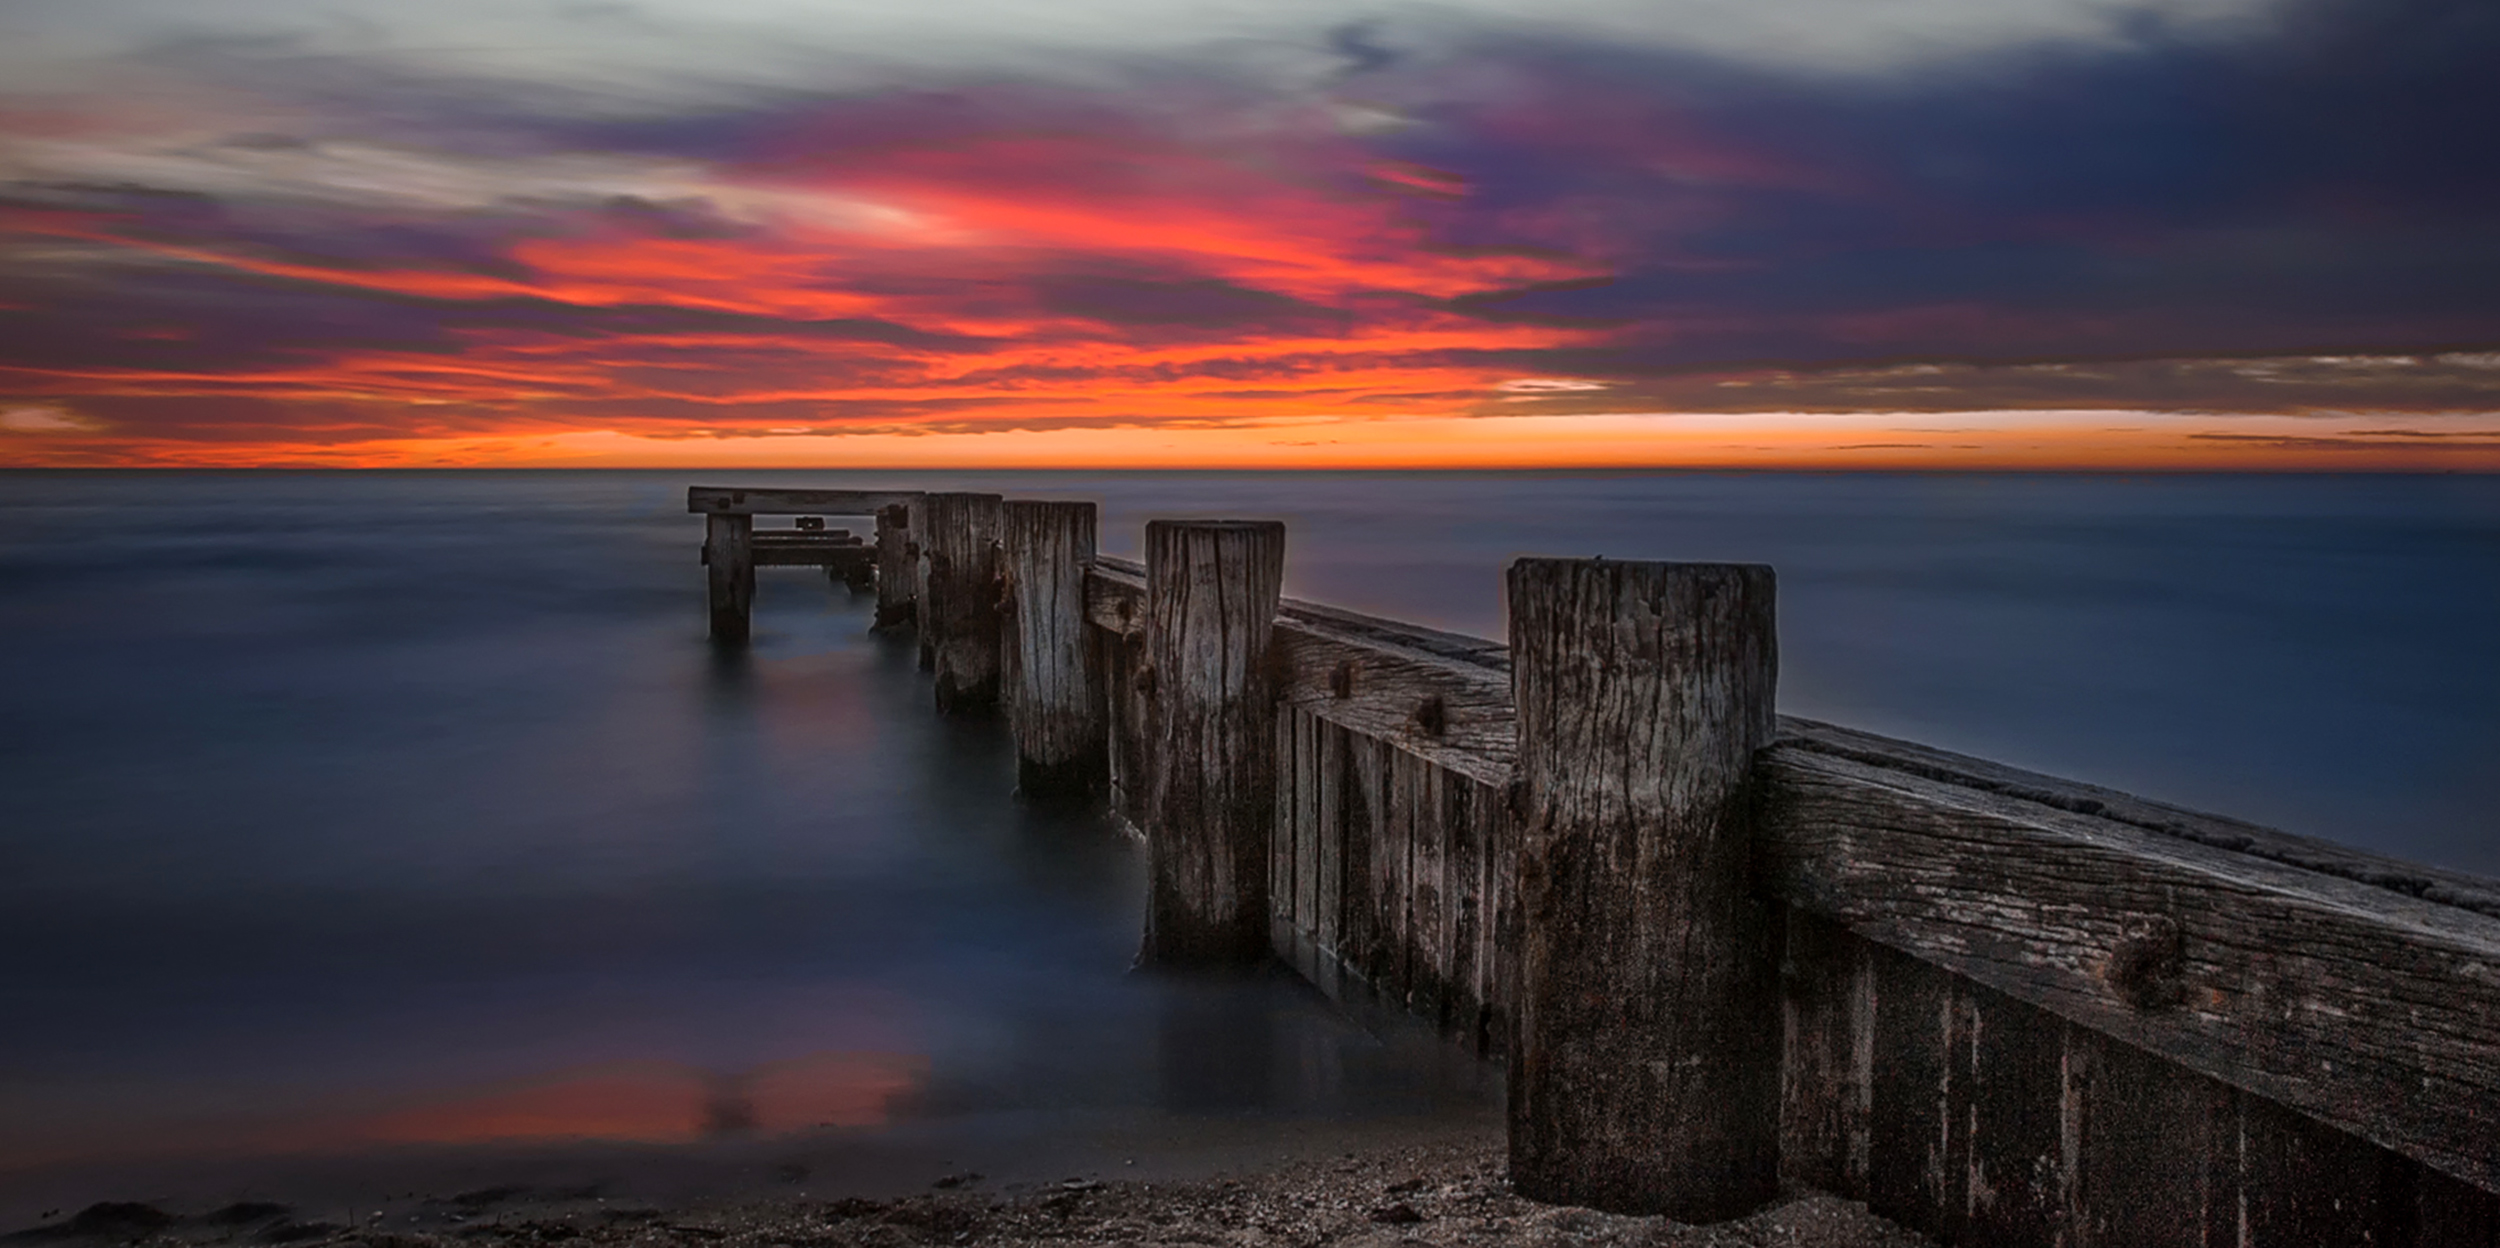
x=1233, y=525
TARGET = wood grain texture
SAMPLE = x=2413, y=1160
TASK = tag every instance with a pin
x=729, y=566
x=1827, y=1005
x=1644, y=1074
x=1126, y=715
x=2292, y=997
x=898, y=580
x=723, y=500
x=1286, y=916
x=1211, y=598
x=962, y=600
x=1054, y=692
x=2367, y=1008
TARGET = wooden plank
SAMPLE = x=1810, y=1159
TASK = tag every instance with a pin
x=918, y=547
x=2416, y=880
x=1645, y=1081
x=1494, y=869
x=1341, y=889
x=1827, y=1006
x=1306, y=835
x=2153, y=1150
x=1283, y=921
x=2451, y=1213
x=2368, y=1008
x=1393, y=832
x=723, y=500
x=840, y=559
x=1211, y=766
x=1427, y=906
x=897, y=581
x=1462, y=868
x=1125, y=723
x=2013, y=1186
x=1910, y=1107
x=2304, y=1185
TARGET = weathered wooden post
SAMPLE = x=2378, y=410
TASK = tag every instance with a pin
x=1644, y=1076
x=1211, y=593
x=1053, y=703
x=729, y=557
x=959, y=604
x=896, y=577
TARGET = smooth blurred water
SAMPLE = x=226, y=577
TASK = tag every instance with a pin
x=348, y=810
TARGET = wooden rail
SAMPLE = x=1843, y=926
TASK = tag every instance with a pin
x=2004, y=1008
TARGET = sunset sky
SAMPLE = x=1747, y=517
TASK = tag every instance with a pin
x=1784, y=233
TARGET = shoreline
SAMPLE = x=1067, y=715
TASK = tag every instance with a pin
x=1442, y=1191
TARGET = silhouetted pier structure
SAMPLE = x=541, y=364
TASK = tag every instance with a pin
x=1719, y=948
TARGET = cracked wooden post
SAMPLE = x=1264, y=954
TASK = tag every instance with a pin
x=729, y=558
x=959, y=617
x=1644, y=1077
x=896, y=577
x=1211, y=593
x=1053, y=703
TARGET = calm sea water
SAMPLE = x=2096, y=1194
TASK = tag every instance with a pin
x=346, y=812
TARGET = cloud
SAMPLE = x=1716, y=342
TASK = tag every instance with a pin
x=327, y=224
x=42, y=418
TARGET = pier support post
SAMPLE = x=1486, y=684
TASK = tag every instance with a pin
x=1052, y=702
x=1644, y=1073
x=896, y=576
x=1211, y=593
x=960, y=603
x=729, y=559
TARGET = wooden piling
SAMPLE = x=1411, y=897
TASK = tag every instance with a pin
x=729, y=557
x=1054, y=702
x=960, y=602
x=1211, y=593
x=1645, y=1076
x=897, y=578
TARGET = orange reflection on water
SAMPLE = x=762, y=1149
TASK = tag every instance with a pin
x=652, y=1102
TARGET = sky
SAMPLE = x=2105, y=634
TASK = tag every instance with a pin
x=2135, y=234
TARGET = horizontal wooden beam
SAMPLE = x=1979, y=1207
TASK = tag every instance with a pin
x=2371, y=1010
x=2359, y=989
x=838, y=557
x=719, y=500
x=1429, y=692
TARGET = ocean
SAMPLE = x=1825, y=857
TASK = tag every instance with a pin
x=409, y=816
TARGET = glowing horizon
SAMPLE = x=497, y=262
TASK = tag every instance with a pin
x=1473, y=241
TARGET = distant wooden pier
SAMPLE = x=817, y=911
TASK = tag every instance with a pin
x=1719, y=948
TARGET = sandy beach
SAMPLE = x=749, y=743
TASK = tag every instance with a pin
x=1449, y=1193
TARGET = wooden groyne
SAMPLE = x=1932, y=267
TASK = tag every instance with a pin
x=1723, y=949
